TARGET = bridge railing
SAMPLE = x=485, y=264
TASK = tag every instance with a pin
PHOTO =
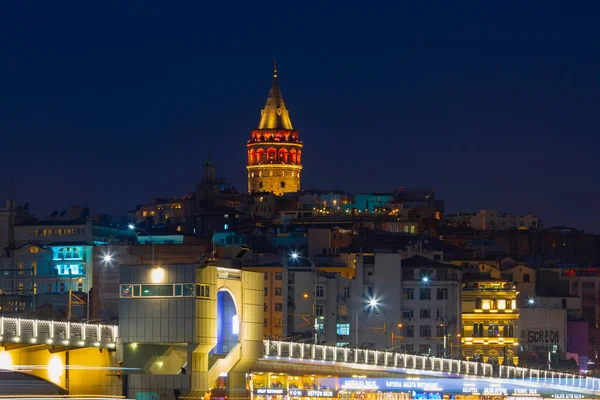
x=21, y=330
x=333, y=354
x=326, y=353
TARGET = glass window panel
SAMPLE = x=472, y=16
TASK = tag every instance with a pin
x=136, y=291
x=157, y=290
x=126, y=291
x=188, y=289
x=177, y=290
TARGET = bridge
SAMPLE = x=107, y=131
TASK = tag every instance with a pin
x=48, y=337
x=319, y=356
x=53, y=358
x=34, y=331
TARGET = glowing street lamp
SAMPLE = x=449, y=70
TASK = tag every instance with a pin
x=107, y=258
x=373, y=303
x=531, y=302
x=425, y=279
x=296, y=256
x=134, y=228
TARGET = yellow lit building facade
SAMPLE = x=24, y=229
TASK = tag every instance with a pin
x=273, y=300
x=489, y=320
x=274, y=149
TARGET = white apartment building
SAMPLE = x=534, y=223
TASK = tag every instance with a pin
x=418, y=303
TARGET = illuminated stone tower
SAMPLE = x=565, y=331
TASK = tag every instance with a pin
x=274, y=150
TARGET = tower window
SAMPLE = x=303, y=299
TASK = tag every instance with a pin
x=282, y=184
x=260, y=184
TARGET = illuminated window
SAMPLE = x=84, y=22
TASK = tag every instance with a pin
x=21, y=286
x=343, y=329
x=485, y=304
x=144, y=213
x=501, y=304
x=34, y=267
x=69, y=269
x=412, y=229
x=152, y=213
x=226, y=226
x=20, y=268
x=513, y=304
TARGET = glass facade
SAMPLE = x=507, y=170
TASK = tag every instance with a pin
x=168, y=290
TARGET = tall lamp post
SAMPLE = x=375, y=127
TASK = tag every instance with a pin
x=532, y=302
x=373, y=303
x=135, y=228
x=296, y=256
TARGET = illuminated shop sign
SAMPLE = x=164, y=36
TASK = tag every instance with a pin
x=477, y=387
x=269, y=391
x=431, y=385
x=312, y=393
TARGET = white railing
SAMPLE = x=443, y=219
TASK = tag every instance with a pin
x=36, y=331
x=425, y=364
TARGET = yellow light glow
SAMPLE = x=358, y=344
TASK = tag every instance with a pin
x=158, y=275
x=501, y=304
x=55, y=368
x=134, y=345
x=5, y=360
x=485, y=304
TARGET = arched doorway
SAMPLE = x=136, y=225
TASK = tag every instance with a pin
x=228, y=324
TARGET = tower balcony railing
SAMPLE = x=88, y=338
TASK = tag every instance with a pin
x=426, y=365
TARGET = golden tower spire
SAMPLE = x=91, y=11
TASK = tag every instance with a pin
x=274, y=149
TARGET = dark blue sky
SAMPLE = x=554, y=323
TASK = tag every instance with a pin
x=494, y=104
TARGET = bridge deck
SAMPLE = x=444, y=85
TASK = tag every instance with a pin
x=361, y=359
x=34, y=331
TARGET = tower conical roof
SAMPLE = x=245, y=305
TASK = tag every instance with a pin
x=275, y=115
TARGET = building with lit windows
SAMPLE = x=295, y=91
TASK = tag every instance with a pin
x=49, y=266
x=489, y=319
x=274, y=149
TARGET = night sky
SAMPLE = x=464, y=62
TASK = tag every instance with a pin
x=494, y=104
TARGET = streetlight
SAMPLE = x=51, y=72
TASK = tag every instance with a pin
x=531, y=301
x=296, y=256
x=135, y=228
x=373, y=303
